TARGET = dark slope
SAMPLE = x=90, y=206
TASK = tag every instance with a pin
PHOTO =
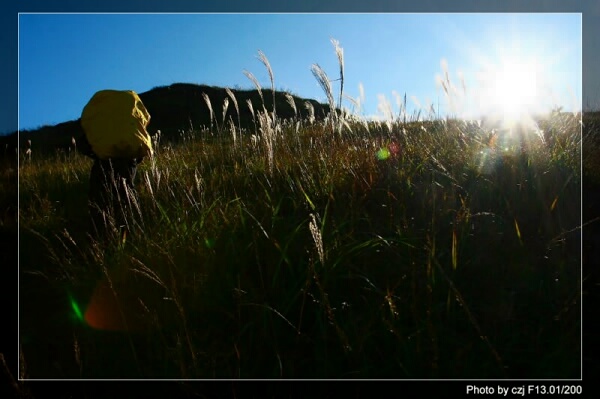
x=174, y=108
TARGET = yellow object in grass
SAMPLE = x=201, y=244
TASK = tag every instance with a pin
x=115, y=122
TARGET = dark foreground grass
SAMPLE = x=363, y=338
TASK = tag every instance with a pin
x=399, y=250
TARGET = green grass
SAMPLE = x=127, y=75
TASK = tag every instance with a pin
x=333, y=249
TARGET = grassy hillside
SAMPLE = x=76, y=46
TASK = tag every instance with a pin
x=313, y=250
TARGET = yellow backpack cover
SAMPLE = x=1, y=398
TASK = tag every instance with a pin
x=114, y=122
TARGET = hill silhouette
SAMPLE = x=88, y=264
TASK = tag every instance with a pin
x=173, y=109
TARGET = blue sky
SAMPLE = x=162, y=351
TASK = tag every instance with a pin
x=65, y=58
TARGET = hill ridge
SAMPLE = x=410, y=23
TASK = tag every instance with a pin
x=173, y=108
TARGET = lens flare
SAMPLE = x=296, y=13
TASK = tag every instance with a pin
x=102, y=312
x=209, y=242
x=383, y=154
x=109, y=313
x=76, y=309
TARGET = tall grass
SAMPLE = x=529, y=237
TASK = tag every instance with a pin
x=336, y=249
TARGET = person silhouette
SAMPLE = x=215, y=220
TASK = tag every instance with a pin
x=114, y=124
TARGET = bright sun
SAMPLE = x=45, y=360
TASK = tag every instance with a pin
x=515, y=88
x=511, y=90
